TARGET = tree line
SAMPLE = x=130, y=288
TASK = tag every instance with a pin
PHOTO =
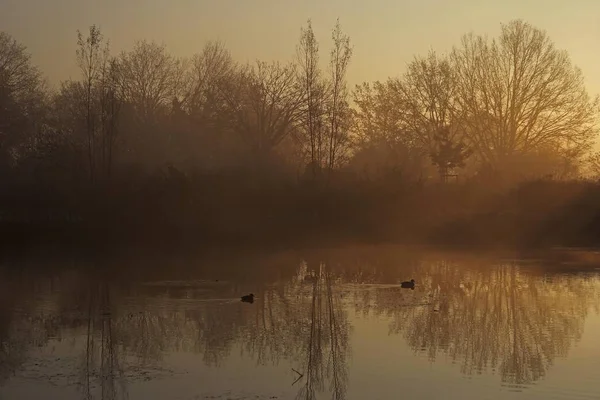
x=207, y=142
x=512, y=104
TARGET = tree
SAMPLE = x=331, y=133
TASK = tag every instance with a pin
x=427, y=98
x=338, y=110
x=518, y=93
x=210, y=71
x=206, y=132
x=378, y=113
x=314, y=91
x=384, y=142
x=265, y=109
x=91, y=57
x=151, y=78
x=111, y=99
x=22, y=98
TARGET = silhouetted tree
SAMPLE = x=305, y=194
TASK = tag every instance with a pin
x=111, y=100
x=518, y=93
x=427, y=98
x=338, y=109
x=211, y=88
x=314, y=92
x=22, y=99
x=264, y=106
x=91, y=57
x=384, y=142
x=151, y=77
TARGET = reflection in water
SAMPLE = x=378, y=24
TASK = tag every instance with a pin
x=325, y=352
x=13, y=346
x=497, y=317
x=102, y=356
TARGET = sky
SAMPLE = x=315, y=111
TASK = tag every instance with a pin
x=386, y=34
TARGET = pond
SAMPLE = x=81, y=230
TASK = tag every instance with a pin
x=323, y=324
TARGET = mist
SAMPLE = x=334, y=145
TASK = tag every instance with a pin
x=489, y=144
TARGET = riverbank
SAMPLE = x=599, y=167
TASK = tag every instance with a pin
x=534, y=215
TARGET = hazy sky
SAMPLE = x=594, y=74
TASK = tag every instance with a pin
x=386, y=34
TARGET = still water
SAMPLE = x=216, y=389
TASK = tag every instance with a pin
x=323, y=324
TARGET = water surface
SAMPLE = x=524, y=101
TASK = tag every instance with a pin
x=324, y=324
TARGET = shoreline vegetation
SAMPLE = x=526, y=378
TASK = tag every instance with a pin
x=490, y=145
x=533, y=215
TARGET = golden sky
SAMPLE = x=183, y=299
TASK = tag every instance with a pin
x=386, y=34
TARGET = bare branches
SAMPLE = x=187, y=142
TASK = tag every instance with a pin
x=90, y=57
x=313, y=89
x=428, y=97
x=151, y=78
x=513, y=96
x=379, y=113
x=518, y=92
x=22, y=95
x=272, y=102
x=325, y=113
x=210, y=71
x=263, y=101
x=18, y=76
x=338, y=109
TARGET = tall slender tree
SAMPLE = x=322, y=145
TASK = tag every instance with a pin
x=338, y=110
x=313, y=89
x=519, y=93
x=91, y=58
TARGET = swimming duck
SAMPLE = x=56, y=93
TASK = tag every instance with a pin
x=408, y=285
x=249, y=298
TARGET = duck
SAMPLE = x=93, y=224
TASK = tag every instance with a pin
x=249, y=298
x=408, y=285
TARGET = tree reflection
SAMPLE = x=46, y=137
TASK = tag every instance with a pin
x=12, y=345
x=326, y=346
x=498, y=316
x=304, y=323
x=480, y=314
x=20, y=328
x=102, y=355
x=300, y=322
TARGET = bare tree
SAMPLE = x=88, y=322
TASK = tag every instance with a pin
x=313, y=89
x=22, y=96
x=338, y=107
x=265, y=106
x=427, y=93
x=91, y=58
x=378, y=113
x=111, y=98
x=384, y=143
x=210, y=69
x=151, y=78
x=518, y=93
x=204, y=121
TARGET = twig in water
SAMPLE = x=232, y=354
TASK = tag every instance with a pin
x=300, y=376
